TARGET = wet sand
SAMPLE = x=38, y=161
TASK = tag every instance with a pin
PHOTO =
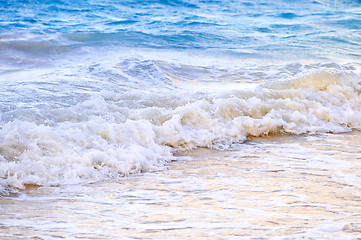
x=280, y=187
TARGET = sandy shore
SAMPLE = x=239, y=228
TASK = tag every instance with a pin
x=282, y=187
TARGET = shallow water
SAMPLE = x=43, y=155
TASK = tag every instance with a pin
x=277, y=187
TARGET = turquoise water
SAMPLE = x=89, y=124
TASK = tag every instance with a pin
x=288, y=30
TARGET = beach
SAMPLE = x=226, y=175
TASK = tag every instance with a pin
x=300, y=187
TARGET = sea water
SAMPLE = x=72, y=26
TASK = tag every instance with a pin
x=180, y=119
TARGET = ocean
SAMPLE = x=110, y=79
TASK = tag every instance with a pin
x=179, y=119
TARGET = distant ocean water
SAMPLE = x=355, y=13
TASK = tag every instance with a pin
x=96, y=90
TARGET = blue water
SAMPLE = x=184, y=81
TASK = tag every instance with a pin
x=287, y=30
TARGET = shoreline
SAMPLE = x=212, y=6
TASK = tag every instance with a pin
x=262, y=189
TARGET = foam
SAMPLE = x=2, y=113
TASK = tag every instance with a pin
x=112, y=133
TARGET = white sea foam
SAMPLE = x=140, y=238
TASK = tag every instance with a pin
x=108, y=119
